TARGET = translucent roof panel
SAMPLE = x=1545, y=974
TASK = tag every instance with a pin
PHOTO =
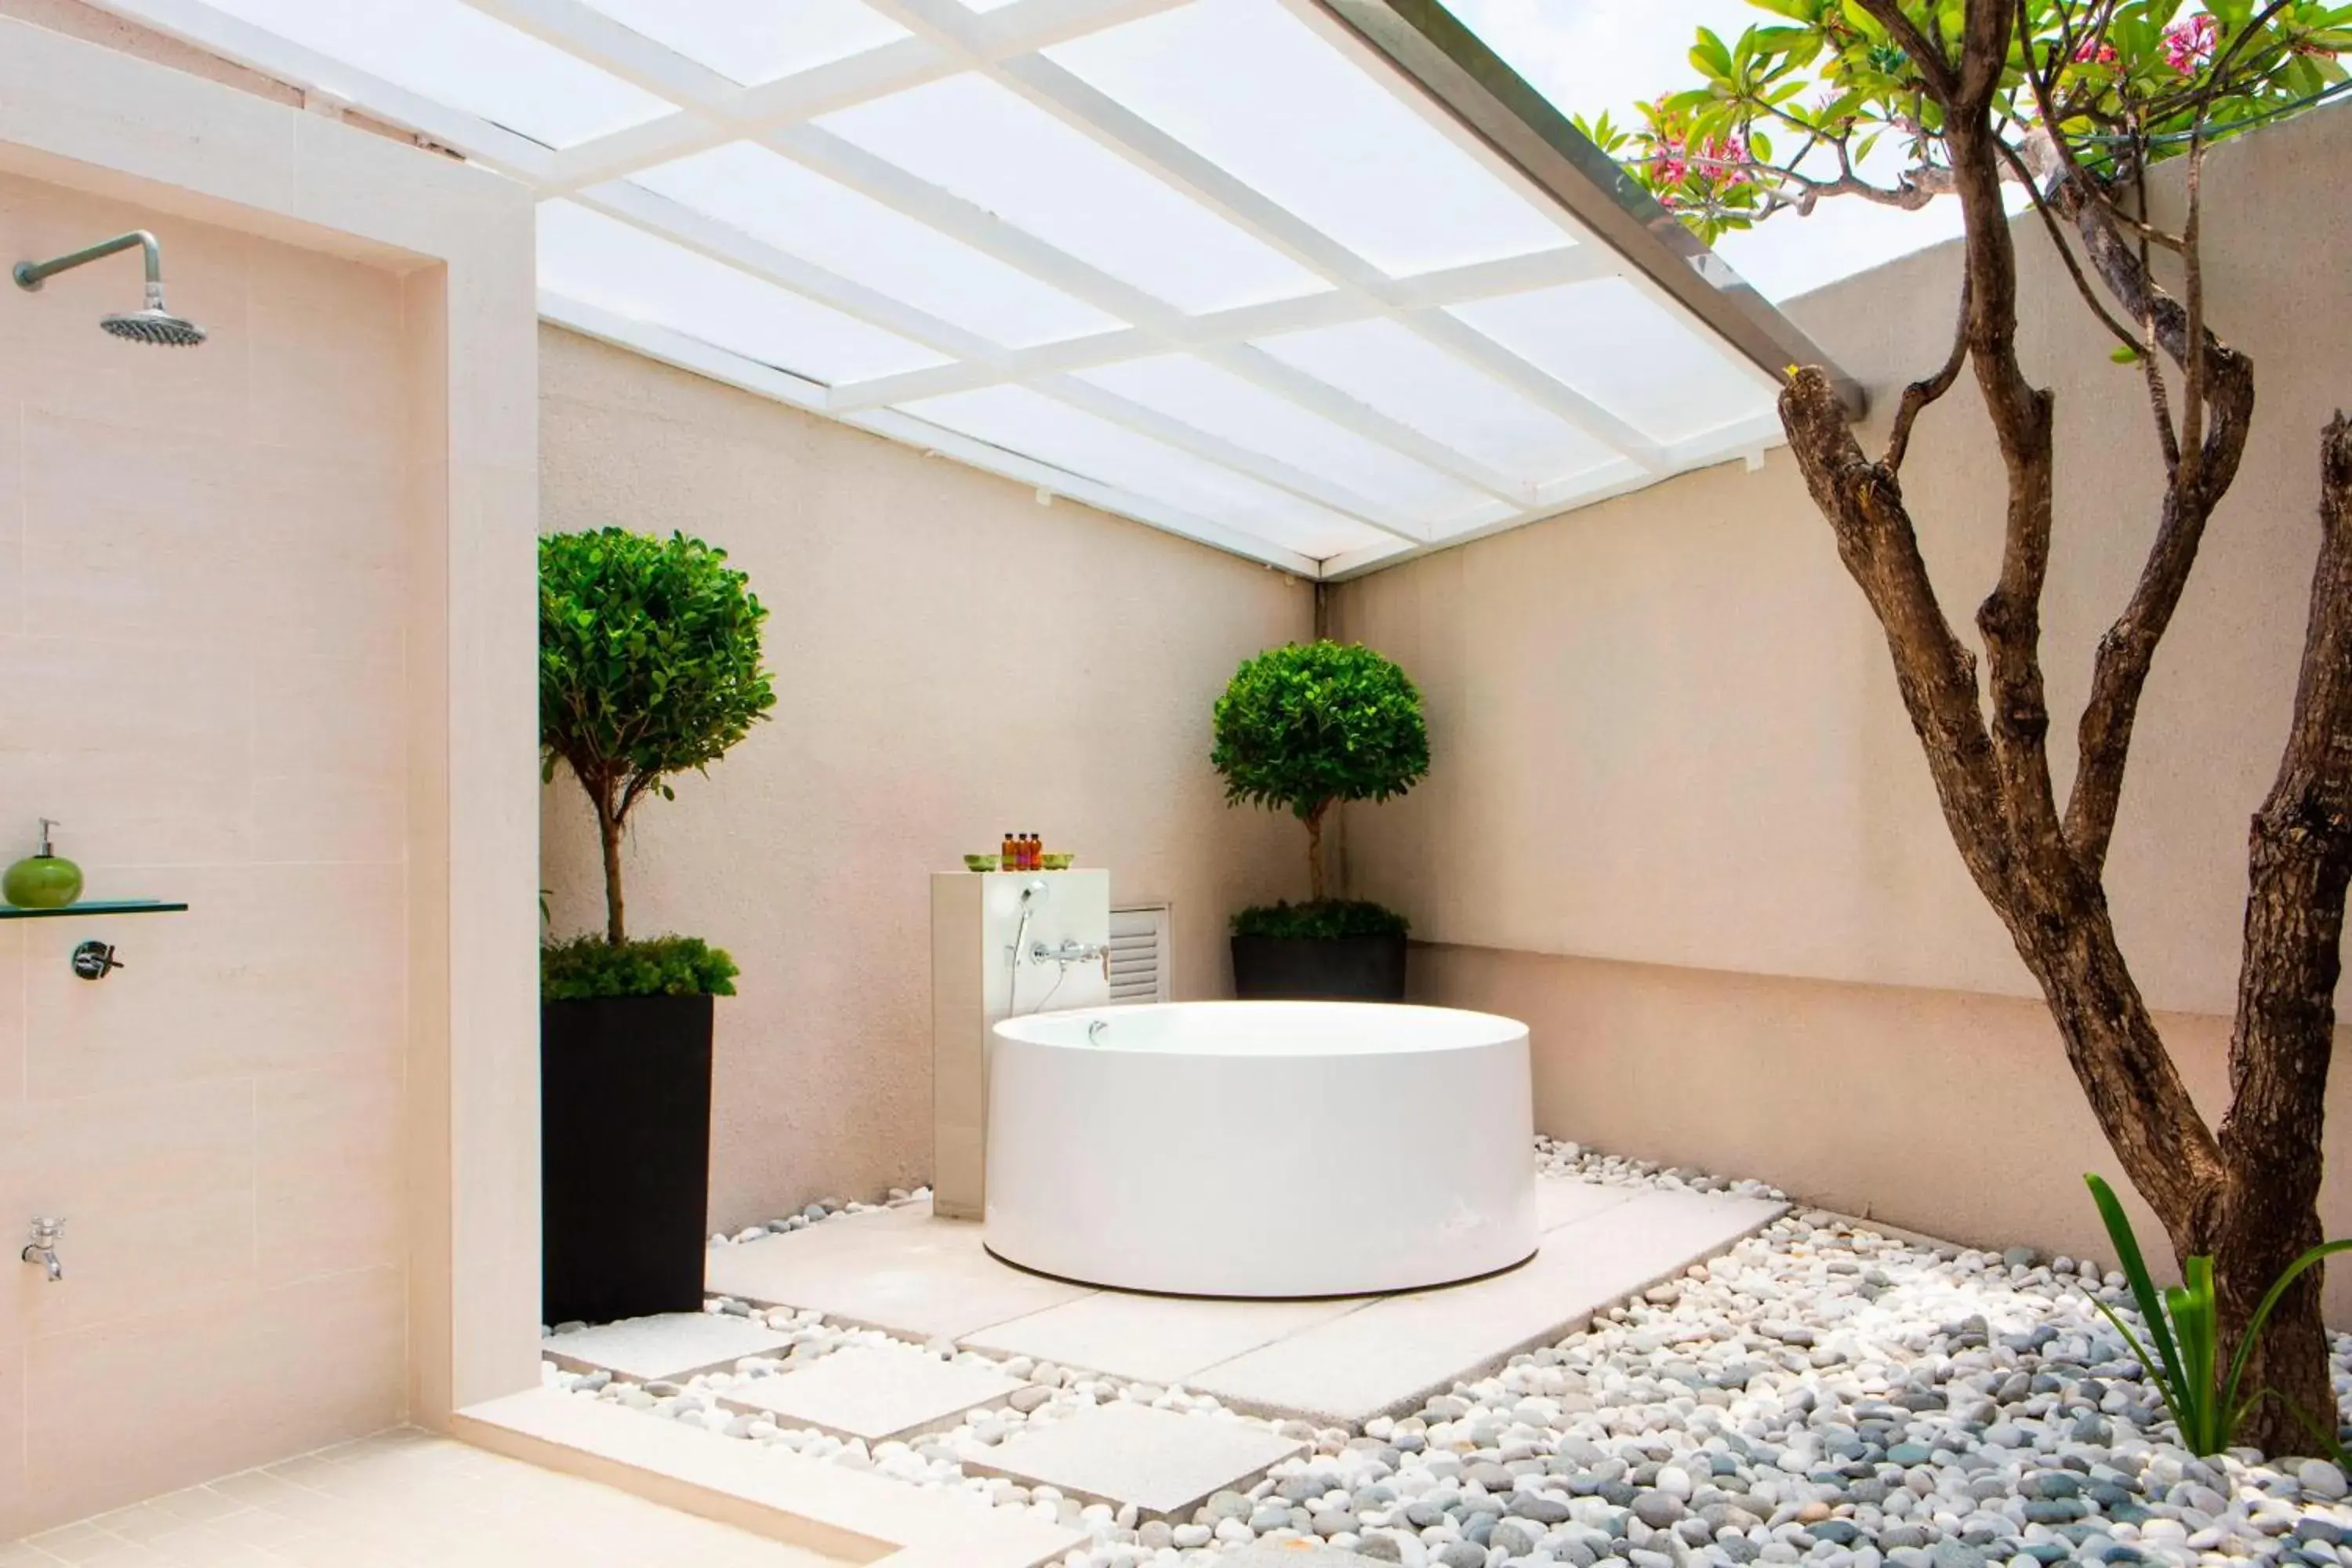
x=454, y=54
x=1207, y=398
x=981, y=142
x=753, y=41
x=1249, y=85
x=1031, y=423
x=795, y=209
x=1290, y=276
x=604, y=262
x=1609, y=341
x=1388, y=367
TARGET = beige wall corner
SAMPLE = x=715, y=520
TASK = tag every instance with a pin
x=953, y=661
x=317, y=1087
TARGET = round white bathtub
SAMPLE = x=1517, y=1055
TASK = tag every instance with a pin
x=1261, y=1148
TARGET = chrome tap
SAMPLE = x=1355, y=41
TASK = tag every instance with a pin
x=1072, y=950
x=1095, y=1027
x=43, y=1248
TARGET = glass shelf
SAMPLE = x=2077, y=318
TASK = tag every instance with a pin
x=93, y=907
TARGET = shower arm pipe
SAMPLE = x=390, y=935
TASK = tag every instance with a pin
x=31, y=274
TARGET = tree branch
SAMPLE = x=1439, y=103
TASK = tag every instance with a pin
x=1920, y=393
x=1934, y=671
x=2128, y=651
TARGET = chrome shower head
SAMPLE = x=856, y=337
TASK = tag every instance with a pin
x=151, y=324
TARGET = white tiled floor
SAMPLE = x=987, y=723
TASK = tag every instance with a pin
x=401, y=1499
x=1341, y=1360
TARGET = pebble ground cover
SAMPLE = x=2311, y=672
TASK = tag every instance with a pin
x=1821, y=1394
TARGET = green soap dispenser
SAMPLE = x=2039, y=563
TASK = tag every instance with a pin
x=43, y=881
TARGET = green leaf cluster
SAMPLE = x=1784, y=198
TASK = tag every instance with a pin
x=2184, y=1323
x=648, y=656
x=1306, y=724
x=1323, y=919
x=588, y=967
x=1794, y=108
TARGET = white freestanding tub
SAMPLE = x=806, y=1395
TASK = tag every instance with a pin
x=1261, y=1148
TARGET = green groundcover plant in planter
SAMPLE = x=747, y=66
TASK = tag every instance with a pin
x=1302, y=728
x=648, y=667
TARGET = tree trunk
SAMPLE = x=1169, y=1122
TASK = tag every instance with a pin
x=608, y=829
x=2301, y=860
x=1315, y=850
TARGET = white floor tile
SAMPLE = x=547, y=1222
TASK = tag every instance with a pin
x=668, y=1346
x=1163, y=1462
x=898, y=1269
x=873, y=1393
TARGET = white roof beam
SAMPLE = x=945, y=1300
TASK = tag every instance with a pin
x=1473, y=348
x=217, y=33
x=617, y=49
x=1103, y=404
x=658, y=215
x=929, y=437
x=1317, y=397
x=871, y=73
x=675, y=348
x=1240, y=324
x=714, y=116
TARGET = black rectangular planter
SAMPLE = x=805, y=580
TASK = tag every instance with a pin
x=1323, y=969
x=625, y=1156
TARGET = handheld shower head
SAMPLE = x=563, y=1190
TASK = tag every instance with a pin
x=151, y=324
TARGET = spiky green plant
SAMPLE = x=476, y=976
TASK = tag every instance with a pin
x=2185, y=1323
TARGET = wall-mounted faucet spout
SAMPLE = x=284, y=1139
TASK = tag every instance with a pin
x=43, y=1248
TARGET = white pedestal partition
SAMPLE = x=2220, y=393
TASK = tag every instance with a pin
x=978, y=980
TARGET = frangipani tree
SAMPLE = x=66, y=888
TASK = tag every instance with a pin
x=2070, y=102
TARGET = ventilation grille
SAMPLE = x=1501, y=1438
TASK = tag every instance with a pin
x=1138, y=954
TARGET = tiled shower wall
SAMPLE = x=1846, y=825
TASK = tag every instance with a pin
x=202, y=605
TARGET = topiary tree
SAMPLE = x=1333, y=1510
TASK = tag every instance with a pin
x=1305, y=725
x=2070, y=101
x=648, y=665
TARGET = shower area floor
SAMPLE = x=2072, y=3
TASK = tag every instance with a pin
x=402, y=1498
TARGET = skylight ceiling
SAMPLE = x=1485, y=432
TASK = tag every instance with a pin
x=1226, y=266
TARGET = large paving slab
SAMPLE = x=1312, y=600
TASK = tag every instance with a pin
x=853, y=1516
x=1156, y=1339
x=873, y=1393
x=1564, y=1200
x=672, y=1345
x=899, y=1270
x=1391, y=1354
x=1166, y=1464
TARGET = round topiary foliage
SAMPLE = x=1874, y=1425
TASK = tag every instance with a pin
x=1307, y=725
x=648, y=665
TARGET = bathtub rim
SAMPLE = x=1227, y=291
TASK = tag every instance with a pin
x=1497, y=1029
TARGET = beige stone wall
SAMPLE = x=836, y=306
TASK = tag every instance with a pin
x=952, y=660
x=203, y=606
x=1666, y=736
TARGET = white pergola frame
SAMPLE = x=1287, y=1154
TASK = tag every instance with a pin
x=1005, y=45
